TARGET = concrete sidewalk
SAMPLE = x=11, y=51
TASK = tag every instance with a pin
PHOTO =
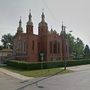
x=79, y=68
x=15, y=75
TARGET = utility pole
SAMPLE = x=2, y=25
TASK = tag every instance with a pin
x=65, y=37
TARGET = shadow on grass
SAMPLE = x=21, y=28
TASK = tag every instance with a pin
x=36, y=82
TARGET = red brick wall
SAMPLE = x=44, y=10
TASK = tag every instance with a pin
x=32, y=48
x=54, y=38
x=41, y=43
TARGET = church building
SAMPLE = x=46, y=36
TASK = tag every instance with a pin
x=48, y=45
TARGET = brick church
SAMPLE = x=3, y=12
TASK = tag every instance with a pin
x=48, y=44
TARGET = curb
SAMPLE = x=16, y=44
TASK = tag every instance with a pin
x=15, y=75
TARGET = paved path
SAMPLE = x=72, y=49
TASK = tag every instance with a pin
x=15, y=75
x=79, y=68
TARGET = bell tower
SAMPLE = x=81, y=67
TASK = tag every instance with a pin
x=20, y=29
x=43, y=33
x=42, y=27
x=29, y=26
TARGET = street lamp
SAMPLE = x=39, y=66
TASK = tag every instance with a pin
x=63, y=32
x=64, y=42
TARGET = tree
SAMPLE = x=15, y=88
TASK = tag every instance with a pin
x=79, y=47
x=1, y=47
x=71, y=43
x=76, y=46
x=86, y=51
x=7, y=40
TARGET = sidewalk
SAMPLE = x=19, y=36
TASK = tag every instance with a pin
x=15, y=75
x=79, y=68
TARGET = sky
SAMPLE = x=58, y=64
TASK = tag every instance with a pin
x=75, y=15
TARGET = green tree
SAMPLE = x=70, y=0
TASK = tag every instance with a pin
x=1, y=47
x=76, y=46
x=7, y=40
x=79, y=47
x=71, y=43
x=87, y=52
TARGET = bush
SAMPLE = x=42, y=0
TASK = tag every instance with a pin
x=53, y=64
x=78, y=62
x=23, y=65
x=37, y=65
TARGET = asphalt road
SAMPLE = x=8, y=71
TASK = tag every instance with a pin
x=72, y=81
x=79, y=80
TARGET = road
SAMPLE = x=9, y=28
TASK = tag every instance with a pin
x=78, y=80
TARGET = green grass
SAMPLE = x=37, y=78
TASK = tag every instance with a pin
x=39, y=73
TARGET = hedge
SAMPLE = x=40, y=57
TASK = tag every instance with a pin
x=37, y=65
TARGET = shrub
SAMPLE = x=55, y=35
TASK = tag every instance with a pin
x=23, y=65
x=37, y=65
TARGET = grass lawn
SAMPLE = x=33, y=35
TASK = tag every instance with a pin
x=39, y=73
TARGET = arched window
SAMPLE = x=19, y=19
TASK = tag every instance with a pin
x=66, y=48
x=33, y=45
x=24, y=48
x=58, y=47
x=50, y=47
x=39, y=46
x=55, y=47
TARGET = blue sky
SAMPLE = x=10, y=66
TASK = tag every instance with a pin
x=74, y=13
